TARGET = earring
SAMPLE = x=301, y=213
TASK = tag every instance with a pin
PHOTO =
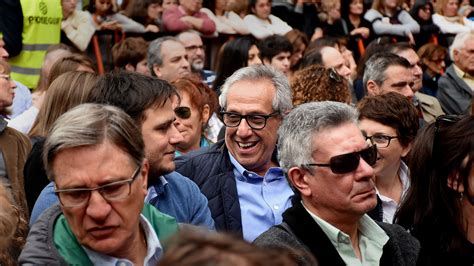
x=461, y=196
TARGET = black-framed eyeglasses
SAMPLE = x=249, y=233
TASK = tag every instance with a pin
x=254, y=121
x=183, y=112
x=382, y=141
x=78, y=197
x=334, y=75
x=346, y=163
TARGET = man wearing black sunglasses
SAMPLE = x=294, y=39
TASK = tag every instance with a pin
x=329, y=165
x=246, y=190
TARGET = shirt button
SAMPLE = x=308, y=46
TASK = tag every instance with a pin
x=276, y=207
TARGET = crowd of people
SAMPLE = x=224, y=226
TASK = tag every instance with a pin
x=237, y=132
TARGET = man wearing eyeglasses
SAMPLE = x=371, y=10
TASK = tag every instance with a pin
x=149, y=102
x=240, y=176
x=329, y=165
x=196, y=55
x=95, y=155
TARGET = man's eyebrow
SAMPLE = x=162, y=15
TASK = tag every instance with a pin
x=400, y=83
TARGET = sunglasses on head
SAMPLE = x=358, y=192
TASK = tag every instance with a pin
x=346, y=163
x=182, y=112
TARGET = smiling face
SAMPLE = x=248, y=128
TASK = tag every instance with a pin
x=160, y=137
x=351, y=194
x=389, y=158
x=262, y=9
x=253, y=149
x=106, y=227
x=190, y=128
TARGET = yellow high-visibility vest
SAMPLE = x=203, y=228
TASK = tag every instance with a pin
x=41, y=28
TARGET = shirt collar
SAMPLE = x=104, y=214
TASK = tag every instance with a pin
x=154, y=249
x=156, y=189
x=367, y=227
x=272, y=172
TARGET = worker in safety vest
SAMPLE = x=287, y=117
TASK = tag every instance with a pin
x=41, y=28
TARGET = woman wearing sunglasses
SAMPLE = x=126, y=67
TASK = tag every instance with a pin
x=197, y=105
x=439, y=206
x=389, y=121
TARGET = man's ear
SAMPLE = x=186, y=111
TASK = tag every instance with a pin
x=157, y=71
x=455, y=55
x=372, y=88
x=130, y=68
x=299, y=179
x=454, y=183
x=144, y=173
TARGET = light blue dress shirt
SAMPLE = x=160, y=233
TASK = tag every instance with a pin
x=22, y=100
x=262, y=199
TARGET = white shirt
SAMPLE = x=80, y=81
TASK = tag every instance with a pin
x=389, y=205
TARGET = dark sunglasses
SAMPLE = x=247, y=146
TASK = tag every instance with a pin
x=182, y=112
x=346, y=163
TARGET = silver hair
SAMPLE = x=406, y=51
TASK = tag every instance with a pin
x=92, y=124
x=295, y=135
x=378, y=63
x=282, y=101
x=459, y=42
x=154, y=56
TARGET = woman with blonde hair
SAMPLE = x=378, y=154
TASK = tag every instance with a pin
x=67, y=91
x=14, y=146
x=448, y=20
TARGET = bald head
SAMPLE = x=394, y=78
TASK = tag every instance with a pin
x=332, y=58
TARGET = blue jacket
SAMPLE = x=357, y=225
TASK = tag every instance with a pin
x=179, y=197
x=212, y=171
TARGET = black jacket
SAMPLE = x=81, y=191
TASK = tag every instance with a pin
x=299, y=231
x=212, y=171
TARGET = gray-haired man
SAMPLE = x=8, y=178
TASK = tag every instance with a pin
x=328, y=163
x=167, y=59
x=246, y=190
x=101, y=196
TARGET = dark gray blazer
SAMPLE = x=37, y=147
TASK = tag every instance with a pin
x=454, y=95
